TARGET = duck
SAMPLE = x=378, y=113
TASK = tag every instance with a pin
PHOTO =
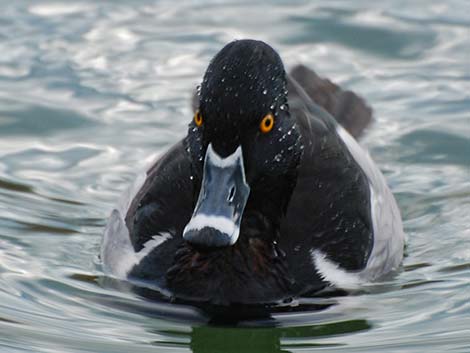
x=269, y=197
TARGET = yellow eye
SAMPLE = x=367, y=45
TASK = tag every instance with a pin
x=267, y=123
x=198, y=118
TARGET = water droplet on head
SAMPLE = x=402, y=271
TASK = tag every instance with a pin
x=265, y=92
x=283, y=107
x=191, y=177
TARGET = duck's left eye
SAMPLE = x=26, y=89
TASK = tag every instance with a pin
x=198, y=118
x=267, y=123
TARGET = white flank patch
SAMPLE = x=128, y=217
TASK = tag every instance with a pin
x=332, y=273
x=389, y=238
x=222, y=224
x=152, y=244
x=224, y=162
x=117, y=252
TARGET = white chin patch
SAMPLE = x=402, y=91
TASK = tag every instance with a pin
x=222, y=224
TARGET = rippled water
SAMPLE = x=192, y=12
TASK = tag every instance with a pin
x=91, y=92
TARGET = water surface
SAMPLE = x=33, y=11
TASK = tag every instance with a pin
x=91, y=92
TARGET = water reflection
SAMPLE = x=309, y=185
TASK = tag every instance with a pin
x=260, y=340
x=242, y=329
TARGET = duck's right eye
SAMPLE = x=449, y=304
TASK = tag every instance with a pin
x=198, y=118
x=267, y=123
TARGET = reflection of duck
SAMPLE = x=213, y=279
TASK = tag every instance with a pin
x=266, y=198
x=209, y=339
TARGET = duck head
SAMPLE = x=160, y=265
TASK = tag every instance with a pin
x=243, y=142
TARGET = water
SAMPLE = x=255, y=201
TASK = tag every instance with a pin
x=91, y=92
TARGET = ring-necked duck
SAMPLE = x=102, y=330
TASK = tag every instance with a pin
x=268, y=197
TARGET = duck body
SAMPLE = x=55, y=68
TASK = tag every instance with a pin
x=234, y=214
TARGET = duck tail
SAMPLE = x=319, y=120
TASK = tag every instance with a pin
x=350, y=110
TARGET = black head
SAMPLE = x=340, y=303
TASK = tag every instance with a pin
x=243, y=122
x=244, y=82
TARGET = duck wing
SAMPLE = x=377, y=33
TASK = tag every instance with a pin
x=342, y=217
x=151, y=214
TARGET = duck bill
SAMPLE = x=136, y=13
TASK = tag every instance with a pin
x=217, y=216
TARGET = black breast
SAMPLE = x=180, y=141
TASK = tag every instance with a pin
x=252, y=271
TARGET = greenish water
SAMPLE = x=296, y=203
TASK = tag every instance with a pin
x=91, y=92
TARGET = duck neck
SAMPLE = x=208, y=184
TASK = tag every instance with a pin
x=270, y=196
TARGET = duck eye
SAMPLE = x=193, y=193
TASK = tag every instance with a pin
x=267, y=123
x=198, y=118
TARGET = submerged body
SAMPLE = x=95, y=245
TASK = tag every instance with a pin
x=267, y=198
